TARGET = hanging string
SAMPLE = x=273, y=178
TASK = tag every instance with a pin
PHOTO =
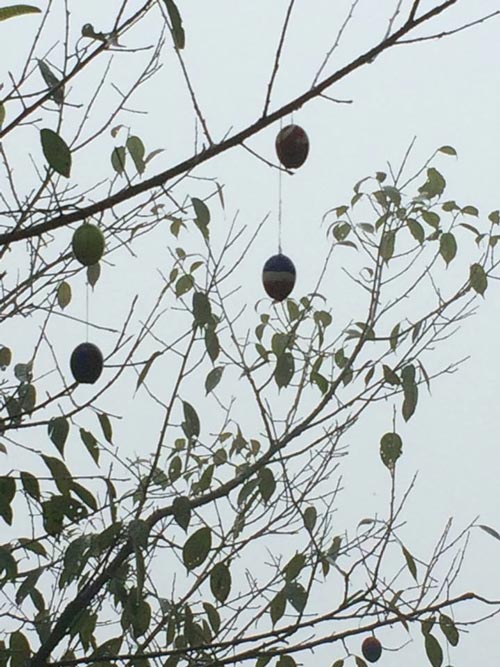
x=280, y=199
x=87, y=311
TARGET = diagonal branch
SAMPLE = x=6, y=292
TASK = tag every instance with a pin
x=235, y=140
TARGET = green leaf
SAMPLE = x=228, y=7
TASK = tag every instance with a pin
x=181, y=509
x=297, y=596
x=5, y=357
x=183, y=285
x=267, y=484
x=201, y=211
x=106, y=427
x=62, y=476
x=8, y=565
x=390, y=376
x=175, y=469
x=212, y=343
x=18, y=643
x=277, y=606
x=137, y=151
x=17, y=10
x=191, y=423
x=147, y=368
x=391, y=447
x=360, y=662
x=286, y=661
x=30, y=485
x=285, y=368
x=56, y=152
x=470, y=210
x=416, y=230
x=449, y=629
x=310, y=516
x=52, y=81
x=27, y=397
x=447, y=247
x=431, y=218
x=491, y=531
x=294, y=567
x=213, y=378
x=447, y=150
x=493, y=217
x=58, y=430
x=338, y=663
x=63, y=294
x=118, y=159
x=410, y=562
x=197, y=548
x=93, y=273
x=435, y=184
x=2, y=113
x=138, y=531
x=478, y=278
x=85, y=495
x=90, y=443
x=7, y=493
x=176, y=21
x=433, y=650
x=220, y=582
x=387, y=245
x=202, y=310
x=393, y=339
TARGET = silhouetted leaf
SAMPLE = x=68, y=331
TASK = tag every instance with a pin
x=277, y=606
x=52, y=81
x=119, y=159
x=17, y=10
x=220, y=582
x=93, y=274
x=449, y=629
x=294, y=567
x=181, y=509
x=490, y=531
x=387, y=245
x=285, y=368
x=63, y=294
x=146, y=368
x=137, y=151
x=410, y=563
x=56, y=152
x=391, y=447
x=266, y=483
x=297, y=595
x=433, y=650
x=58, y=430
x=90, y=443
x=191, y=423
x=310, y=515
x=213, y=378
x=176, y=21
x=106, y=427
x=447, y=247
x=197, y=548
x=478, y=278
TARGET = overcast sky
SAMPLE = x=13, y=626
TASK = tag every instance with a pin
x=441, y=92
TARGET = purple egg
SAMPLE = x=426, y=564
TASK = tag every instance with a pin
x=86, y=363
x=278, y=277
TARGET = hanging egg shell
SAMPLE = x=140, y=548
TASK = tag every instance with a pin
x=86, y=363
x=88, y=244
x=278, y=276
x=371, y=649
x=292, y=146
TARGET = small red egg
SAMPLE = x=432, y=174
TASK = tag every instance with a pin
x=292, y=146
x=278, y=276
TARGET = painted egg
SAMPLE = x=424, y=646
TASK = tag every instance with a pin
x=278, y=277
x=371, y=649
x=88, y=244
x=292, y=146
x=86, y=363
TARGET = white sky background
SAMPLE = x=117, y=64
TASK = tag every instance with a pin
x=442, y=92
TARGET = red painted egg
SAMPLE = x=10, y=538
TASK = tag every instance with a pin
x=86, y=363
x=292, y=146
x=278, y=277
x=371, y=649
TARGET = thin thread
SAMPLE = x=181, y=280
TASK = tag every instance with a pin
x=280, y=200
x=87, y=311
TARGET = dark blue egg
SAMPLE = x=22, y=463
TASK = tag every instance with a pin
x=278, y=276
x=86, y=363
